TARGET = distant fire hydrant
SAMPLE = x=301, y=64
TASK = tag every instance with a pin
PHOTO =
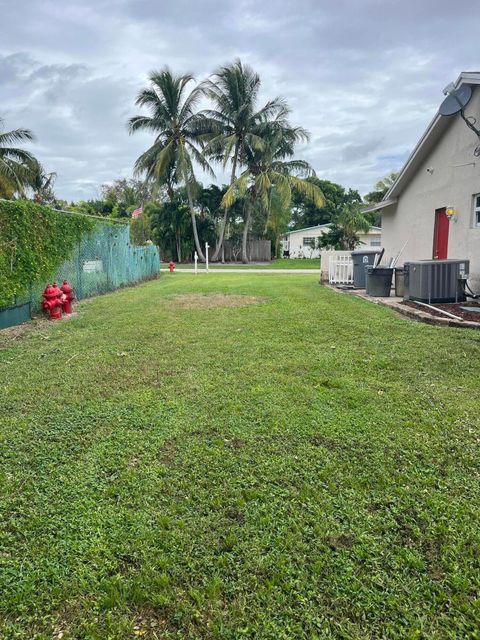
x=171, y=266
x=67, y=297
x=52, y=302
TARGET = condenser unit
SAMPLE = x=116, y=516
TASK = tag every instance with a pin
x=435, y=280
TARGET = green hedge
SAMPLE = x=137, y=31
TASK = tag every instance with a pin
x=34, y=241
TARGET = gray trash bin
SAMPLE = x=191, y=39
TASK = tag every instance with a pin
x=361, y=258
x=379, y=281
x=399, y=282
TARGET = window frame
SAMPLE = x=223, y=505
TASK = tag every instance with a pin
x=476, y=210
x=310, y=245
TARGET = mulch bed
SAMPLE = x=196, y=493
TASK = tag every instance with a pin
x=454, y=307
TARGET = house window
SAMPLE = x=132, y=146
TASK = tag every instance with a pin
x=476, y=210
x=309, y=242
x=375, y=243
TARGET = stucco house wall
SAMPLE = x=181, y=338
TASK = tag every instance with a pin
x=293, y=241
x=449, y=175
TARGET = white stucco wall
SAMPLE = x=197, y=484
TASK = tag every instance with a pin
x=454, y=181
x=297, y=250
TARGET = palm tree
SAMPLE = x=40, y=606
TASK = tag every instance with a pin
x=381, y=188
x=15, y=164
x=41, y=183
x=178, y=128
x=234, y=120
x=352, y=220
x=270, y=176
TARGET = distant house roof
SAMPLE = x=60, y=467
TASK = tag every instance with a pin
x=326, y=226
x=432, y=135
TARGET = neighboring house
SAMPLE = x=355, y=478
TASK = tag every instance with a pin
x=434, y=205
x=301, y=243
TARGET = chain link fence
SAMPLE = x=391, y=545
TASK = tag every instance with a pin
x=104, y=260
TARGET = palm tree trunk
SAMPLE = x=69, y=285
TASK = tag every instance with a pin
x=179, y=248
x=277, y=247
x=221, y=237
x=194, y=224
x=245, y=233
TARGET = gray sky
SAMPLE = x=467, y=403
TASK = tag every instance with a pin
x=363, y=76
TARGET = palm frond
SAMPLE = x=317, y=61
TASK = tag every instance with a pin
x=14, y=136
x=238, y=189
x=309, y=190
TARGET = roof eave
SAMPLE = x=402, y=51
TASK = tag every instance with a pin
x=380, y=205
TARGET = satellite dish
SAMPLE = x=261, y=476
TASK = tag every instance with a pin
x=456, y=100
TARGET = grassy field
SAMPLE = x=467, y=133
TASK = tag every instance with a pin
x=277, y=463
x=292, y=263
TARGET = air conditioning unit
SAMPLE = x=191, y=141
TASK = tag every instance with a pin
x=435, y=280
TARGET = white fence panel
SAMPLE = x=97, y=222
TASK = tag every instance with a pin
x=340, y=269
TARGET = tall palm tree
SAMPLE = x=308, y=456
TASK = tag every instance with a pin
x=271, y=176
x=234, y=120
x=15, y=163
x=178, y=128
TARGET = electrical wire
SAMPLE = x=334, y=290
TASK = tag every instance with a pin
x=466, y=289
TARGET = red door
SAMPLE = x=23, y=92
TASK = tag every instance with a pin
x=440, y=235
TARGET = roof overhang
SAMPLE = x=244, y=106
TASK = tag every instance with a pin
x=432, y=135
x=379, y=205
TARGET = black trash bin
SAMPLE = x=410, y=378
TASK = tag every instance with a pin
x=379, y=281
x=361, y=258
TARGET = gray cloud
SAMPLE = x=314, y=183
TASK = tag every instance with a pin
x=364, y=76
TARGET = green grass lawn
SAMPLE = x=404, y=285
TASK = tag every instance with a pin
x=175, y=466
x=292, y=263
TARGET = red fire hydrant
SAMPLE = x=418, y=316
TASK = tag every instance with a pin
x=67, y=297
x=52, y=302
x=171, y=266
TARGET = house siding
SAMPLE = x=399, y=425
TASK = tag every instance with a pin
x=454, y=181
x=297, y=250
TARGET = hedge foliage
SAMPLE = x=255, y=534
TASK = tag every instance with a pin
x=34, y=241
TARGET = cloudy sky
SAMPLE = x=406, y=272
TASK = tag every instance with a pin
x=363, y=76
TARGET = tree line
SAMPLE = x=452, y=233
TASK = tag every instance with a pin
x=215, y=123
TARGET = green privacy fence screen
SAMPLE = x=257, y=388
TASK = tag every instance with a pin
x=102, y=260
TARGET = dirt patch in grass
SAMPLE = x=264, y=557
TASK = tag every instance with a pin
x=168, y=452
x=19, y=331
x=343, y=542
x=234, y=443
x=39, y=324
x=212, y=301
x=433, y=558
x=321, y=441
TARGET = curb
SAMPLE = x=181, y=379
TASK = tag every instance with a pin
x=409, y=312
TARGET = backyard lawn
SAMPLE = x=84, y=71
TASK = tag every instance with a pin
x=281, y=263
x=270, y=460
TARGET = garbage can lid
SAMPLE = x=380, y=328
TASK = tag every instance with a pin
x=361, y=252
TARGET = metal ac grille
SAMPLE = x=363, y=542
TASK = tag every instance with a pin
x=436, y=280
